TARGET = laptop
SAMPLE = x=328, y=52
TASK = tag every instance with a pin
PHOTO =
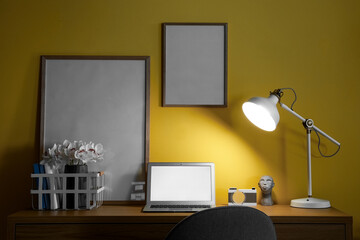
x=180, y=187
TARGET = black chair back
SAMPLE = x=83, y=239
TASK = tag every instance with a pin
x=225, y=223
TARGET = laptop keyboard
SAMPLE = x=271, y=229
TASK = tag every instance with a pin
x=180, y=206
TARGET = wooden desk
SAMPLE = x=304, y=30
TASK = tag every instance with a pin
x=128, y=222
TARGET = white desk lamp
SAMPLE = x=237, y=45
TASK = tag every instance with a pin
x=263, y=113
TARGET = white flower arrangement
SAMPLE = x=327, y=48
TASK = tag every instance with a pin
x=74, y=153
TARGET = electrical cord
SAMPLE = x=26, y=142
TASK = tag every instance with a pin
x=327, y=156
x=292, y=105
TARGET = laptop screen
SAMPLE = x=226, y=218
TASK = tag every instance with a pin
x=181, y=183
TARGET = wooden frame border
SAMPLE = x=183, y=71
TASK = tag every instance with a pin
x=146, y=139
x=164, y=66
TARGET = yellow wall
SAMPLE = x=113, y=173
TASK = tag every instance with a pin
x=310, y=45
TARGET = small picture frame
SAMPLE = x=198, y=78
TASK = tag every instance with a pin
x=194, y=64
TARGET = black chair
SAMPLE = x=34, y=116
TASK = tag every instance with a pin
x=225, y=223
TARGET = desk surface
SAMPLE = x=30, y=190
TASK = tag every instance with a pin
x=128, y=211
x=306, y=223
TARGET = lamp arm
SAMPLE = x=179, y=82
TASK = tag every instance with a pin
x=292, y=112
x=313, y=126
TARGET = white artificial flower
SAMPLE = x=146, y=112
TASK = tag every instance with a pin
x=99, y=149
x=76, y=152
x=66, y=143
x=51, y=152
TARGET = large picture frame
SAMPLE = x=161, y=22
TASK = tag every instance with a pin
x=103, y=99
x=194, y=64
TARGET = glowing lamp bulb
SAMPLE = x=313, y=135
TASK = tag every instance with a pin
x=262, y=112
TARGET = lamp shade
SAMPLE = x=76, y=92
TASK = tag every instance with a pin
x=262, y=112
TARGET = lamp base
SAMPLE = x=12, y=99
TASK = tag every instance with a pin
x=310, y=202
